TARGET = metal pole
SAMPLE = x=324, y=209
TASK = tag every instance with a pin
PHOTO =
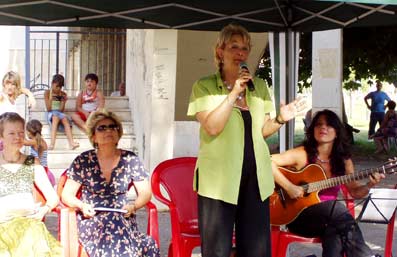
x=57, y=54
x=27, y=57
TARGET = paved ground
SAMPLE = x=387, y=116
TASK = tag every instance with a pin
x=373, y=233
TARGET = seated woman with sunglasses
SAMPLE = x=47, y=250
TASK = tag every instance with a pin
x=104, y=175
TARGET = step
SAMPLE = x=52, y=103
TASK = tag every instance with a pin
x=113, y=102
x=61, y=159
x=127, y=141
x=128, y=128
x=122, y=114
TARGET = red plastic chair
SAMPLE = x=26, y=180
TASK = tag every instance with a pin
x=176, y=176
x=68, y=224
x=39, y=197
x=282, y=238
x=389, y=236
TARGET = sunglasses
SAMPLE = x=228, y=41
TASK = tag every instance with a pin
x=102, y=128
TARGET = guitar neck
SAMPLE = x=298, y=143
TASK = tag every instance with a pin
x=340, y=180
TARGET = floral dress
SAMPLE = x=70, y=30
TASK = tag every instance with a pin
x=110, y=233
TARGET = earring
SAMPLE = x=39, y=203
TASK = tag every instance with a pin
x=96, y=145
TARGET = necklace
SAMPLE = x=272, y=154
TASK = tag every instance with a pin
x=322, y=161
x=230, y=87
x=9, y=161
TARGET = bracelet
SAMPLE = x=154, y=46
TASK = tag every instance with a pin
x=282, y=122
x=229, y=102
x=49, y=207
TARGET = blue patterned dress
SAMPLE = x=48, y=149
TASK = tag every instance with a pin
x=110, y=233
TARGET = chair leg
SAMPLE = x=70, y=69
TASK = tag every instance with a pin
x=282, y=248
x=275, y=235
x=187, y=248
x=170, y=252
x=389, y=237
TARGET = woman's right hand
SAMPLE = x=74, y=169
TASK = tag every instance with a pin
x=295, y=191
x=87, y=210
x=241, y=83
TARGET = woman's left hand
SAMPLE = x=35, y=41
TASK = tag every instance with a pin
x=41, y=212
x=293, y=109
x=374, y=179
x=130, y=210
x=31, y=102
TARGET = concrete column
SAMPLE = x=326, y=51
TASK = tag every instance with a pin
x=327, y=71
x=150, y=78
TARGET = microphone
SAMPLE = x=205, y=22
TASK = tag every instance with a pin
x=250, y=84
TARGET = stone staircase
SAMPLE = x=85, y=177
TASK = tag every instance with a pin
x=61, y=157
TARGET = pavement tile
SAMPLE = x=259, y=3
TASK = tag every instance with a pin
x=374, y=234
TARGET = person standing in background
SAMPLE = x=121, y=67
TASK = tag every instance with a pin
x=377, y=107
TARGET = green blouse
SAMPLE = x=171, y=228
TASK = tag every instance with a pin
x=220, y=157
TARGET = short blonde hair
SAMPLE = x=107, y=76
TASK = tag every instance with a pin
x=13, y=77
x=225, y=36
x=98, y=116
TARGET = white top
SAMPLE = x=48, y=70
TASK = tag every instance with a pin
x=6, y=105
x=115, y=93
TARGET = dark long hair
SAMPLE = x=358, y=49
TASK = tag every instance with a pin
x=341, y=147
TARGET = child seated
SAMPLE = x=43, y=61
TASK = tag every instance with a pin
x=38, y=146
x=88, y=100
x=55, y=101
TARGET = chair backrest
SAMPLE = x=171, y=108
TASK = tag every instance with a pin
x=176, y=176
x=61, y=185
x=38, y=195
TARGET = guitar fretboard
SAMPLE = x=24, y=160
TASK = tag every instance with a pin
x=340, y=180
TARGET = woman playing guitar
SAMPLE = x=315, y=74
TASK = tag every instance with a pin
x=325, y=145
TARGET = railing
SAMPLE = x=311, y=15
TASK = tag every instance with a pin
x=74, y=54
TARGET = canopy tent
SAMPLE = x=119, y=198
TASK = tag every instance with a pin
x=255, y=15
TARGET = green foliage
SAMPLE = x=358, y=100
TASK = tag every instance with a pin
x=368, y=53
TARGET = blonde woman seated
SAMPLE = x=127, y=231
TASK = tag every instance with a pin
x=104, y=175
x=22, y=232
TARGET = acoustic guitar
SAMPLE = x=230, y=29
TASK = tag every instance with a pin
x=312, y=178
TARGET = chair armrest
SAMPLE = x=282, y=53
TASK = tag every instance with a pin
x=153, y=222
x=156, y=189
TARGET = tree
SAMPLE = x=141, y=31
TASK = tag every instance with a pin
x=367, y=53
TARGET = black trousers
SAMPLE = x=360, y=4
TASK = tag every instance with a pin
x=332, y=222
x=250, y=217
